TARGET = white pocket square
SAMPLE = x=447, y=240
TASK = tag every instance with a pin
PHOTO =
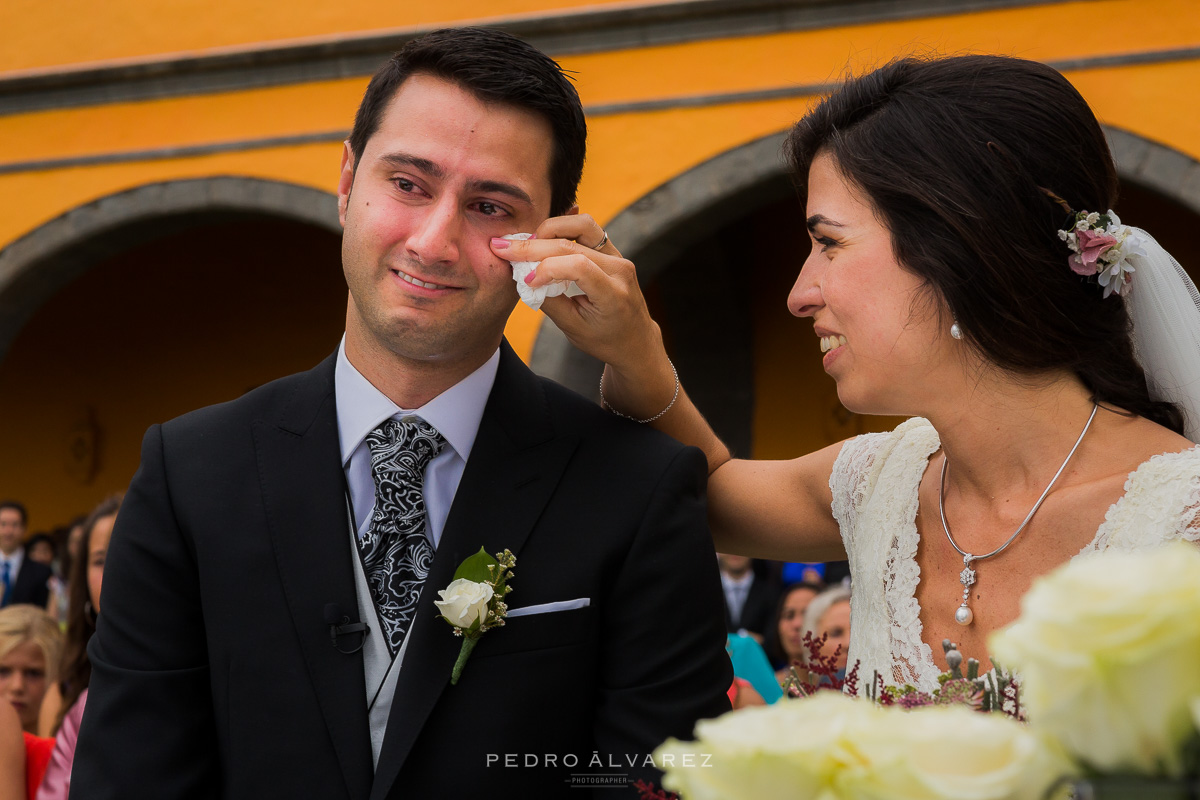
x=544, y=608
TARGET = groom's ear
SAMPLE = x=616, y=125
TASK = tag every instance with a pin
x=345, y=181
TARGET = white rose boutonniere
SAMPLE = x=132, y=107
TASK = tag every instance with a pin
x=465, y=602
x=473, y=603
x=1107, y=647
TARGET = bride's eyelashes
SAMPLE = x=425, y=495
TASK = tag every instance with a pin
x=825, y=242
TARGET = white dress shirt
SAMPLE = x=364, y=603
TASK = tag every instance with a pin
x=14, y=561
x=361, y=407
x=455, y=413
x=737, y=591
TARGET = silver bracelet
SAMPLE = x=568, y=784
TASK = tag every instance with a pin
x=605, y=404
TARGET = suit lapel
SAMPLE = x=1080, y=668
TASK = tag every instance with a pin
x=514, y=467
x=303, y=489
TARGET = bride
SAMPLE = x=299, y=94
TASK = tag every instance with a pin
x=957, y=278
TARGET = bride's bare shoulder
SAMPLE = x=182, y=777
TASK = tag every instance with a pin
x=1138, y=439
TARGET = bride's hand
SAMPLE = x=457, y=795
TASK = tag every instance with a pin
x=611, y=322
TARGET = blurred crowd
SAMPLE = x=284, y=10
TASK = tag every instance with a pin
x=770, y=606
x=51, y=596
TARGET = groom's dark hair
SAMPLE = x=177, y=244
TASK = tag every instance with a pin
x=495, y=67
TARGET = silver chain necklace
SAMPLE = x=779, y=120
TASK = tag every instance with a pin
x=964, y=615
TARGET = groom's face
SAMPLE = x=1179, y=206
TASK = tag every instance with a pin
x=443, y=174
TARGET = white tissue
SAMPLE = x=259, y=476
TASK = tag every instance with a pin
x=535, y=297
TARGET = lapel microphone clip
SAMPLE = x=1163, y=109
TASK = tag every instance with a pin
x=340, y=625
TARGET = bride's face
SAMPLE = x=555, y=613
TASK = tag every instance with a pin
x=879, y=332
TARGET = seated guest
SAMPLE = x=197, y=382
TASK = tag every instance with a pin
x=23, y=757
x=828, y=615
x=12, y=754
x=785, y=638
x=750, y=595
x=750, y=664
x=22, y=580
x=742, y=694
x=65, y=700
x=30, y=643
x=41, y=547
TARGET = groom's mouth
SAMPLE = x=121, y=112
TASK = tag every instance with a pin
x=415, y=281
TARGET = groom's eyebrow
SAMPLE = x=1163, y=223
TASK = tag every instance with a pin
x=435, y=170
x=401, y=160
x=821, y=219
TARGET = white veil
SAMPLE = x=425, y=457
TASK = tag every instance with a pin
x=1165, y=308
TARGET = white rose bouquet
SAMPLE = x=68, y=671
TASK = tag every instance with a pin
x=1108, y=649
x=951, y=752
x=474, y=603
x=832, y=747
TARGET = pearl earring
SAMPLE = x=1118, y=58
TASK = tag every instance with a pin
x=956, y=331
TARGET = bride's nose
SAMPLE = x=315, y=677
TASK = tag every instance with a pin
x=805, y=298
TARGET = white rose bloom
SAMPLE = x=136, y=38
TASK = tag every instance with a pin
x=832, y=747
x=1107, y=648
x=790, y=749
x=950, y=753
x=464, y=602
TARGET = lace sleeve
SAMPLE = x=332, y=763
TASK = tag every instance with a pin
x=1161, y=503
x=852, y=479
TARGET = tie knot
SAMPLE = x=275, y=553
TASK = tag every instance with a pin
x=403, y=446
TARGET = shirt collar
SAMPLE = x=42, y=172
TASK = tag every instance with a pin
x=455, y=413
x=14, y=558
x=737, y=583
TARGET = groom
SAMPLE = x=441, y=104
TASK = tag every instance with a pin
x=259, y=536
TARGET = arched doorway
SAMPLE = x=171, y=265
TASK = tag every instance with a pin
x=146, y=305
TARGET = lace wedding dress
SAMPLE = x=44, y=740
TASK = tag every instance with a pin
x=875, y=481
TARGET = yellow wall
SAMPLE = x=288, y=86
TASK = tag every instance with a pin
x=37, y=35
x=637, y=151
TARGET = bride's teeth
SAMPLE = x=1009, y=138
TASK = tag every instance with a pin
x=830, y=342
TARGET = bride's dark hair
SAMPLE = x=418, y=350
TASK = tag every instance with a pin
x=960, y=157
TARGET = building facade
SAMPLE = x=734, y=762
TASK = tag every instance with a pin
x=169, y=234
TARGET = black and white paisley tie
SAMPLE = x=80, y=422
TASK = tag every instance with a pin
x=395, y=551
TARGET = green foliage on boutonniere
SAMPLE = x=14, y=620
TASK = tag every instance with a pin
x=474, y=602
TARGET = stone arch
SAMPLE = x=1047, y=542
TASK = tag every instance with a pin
x=657, y=227
x=37, y=265
x=1157, y=167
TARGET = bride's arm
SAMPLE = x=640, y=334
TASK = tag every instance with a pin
x=780, y=510
x=768, y=509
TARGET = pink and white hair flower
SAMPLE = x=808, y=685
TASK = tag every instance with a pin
x=1100, y=245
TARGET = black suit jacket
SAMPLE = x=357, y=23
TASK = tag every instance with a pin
x=32, y=584
x=213, y=672
x=758, y=612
